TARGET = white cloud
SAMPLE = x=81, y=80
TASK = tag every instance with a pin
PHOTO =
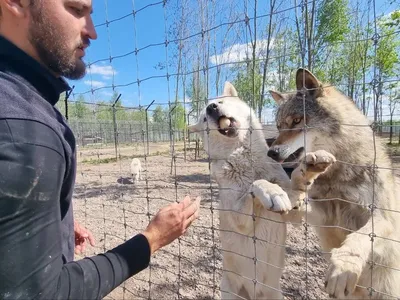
x=94, y=83
x=107, y=94
x=239, y=52
x=105, y=71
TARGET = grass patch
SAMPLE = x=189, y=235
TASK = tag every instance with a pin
x=98, y=161
x=107, y=160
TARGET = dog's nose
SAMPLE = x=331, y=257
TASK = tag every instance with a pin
x=273, y=153
x=212, y=109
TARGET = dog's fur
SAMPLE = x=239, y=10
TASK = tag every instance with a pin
x=136, y=170
x=350, y=188
x=249, y=183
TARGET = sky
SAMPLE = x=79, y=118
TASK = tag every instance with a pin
x=119, y=40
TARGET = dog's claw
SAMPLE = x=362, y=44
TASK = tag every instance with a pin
x=271, y=196
x=318, y=161
x=344, y=272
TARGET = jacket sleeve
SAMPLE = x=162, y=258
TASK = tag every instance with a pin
x=31, y=264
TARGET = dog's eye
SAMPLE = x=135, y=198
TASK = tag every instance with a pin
x=205, y=119
x=296, y=121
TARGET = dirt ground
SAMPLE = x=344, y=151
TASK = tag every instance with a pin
x=114, y=209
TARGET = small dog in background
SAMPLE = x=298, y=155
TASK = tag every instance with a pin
x=136, y=170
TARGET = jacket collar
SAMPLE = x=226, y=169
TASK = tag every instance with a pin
x=16, y=62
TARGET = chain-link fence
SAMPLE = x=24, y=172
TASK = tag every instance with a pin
x=350, y=46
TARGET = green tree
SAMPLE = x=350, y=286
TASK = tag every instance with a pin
x=355, y=61
x=60, y=105
x=138, y=116
x=104, y=111
x=326, y=23
x=394, y=20
x=394, y=101
x=177, y=116
x=78, y=109
x=244, y=86
x=387, y=63
x=197, y=91
x=160, y=115
x=285, y=51
x=121, y=114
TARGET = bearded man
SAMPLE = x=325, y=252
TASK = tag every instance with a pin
x=41, y=42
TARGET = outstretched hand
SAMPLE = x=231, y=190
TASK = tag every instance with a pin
x=171, y=222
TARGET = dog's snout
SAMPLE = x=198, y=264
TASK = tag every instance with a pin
x=213, y=111
x=273, y=153
x=212, y=108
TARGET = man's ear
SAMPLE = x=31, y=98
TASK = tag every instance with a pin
x=18, y=8
x=278, y=97
x=229, y=90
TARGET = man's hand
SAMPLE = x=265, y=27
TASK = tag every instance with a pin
x=171, y=222
x=81, y=235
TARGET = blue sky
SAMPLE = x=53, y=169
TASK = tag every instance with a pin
x=119, y=38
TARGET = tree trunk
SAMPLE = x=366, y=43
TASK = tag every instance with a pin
x=391, y=128
x=266, y=61
x=299, y=34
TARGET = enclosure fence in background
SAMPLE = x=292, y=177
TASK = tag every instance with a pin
x=257, y=45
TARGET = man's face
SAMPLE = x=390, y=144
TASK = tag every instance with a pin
x=60, y=30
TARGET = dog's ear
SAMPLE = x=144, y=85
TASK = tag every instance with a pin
x=229, y=90
x=306, y=79
x=278, y=97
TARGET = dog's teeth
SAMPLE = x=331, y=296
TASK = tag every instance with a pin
x=224, y=123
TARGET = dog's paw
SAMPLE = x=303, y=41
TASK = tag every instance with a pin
x=343, y=273
x=271, y=196
x=318, y=161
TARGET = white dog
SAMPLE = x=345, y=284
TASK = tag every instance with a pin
x=136, y=170
x=253, y=189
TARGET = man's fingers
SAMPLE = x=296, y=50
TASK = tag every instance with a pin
x=78, y=249
x=190, y=220
x=83, y=246
x=90, y=238
x=192, y=211
x=185, y=202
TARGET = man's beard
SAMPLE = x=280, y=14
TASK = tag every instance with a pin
x=49, y=42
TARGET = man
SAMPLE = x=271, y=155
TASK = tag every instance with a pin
x=42, y=41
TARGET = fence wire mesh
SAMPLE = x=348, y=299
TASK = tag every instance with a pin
x=161, y=63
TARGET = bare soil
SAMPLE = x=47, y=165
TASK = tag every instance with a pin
x=114, y=209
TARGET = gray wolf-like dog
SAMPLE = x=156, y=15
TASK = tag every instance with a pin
x=352, y=204
x=251, y=185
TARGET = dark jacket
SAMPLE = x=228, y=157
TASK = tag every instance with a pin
x=37, y=176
